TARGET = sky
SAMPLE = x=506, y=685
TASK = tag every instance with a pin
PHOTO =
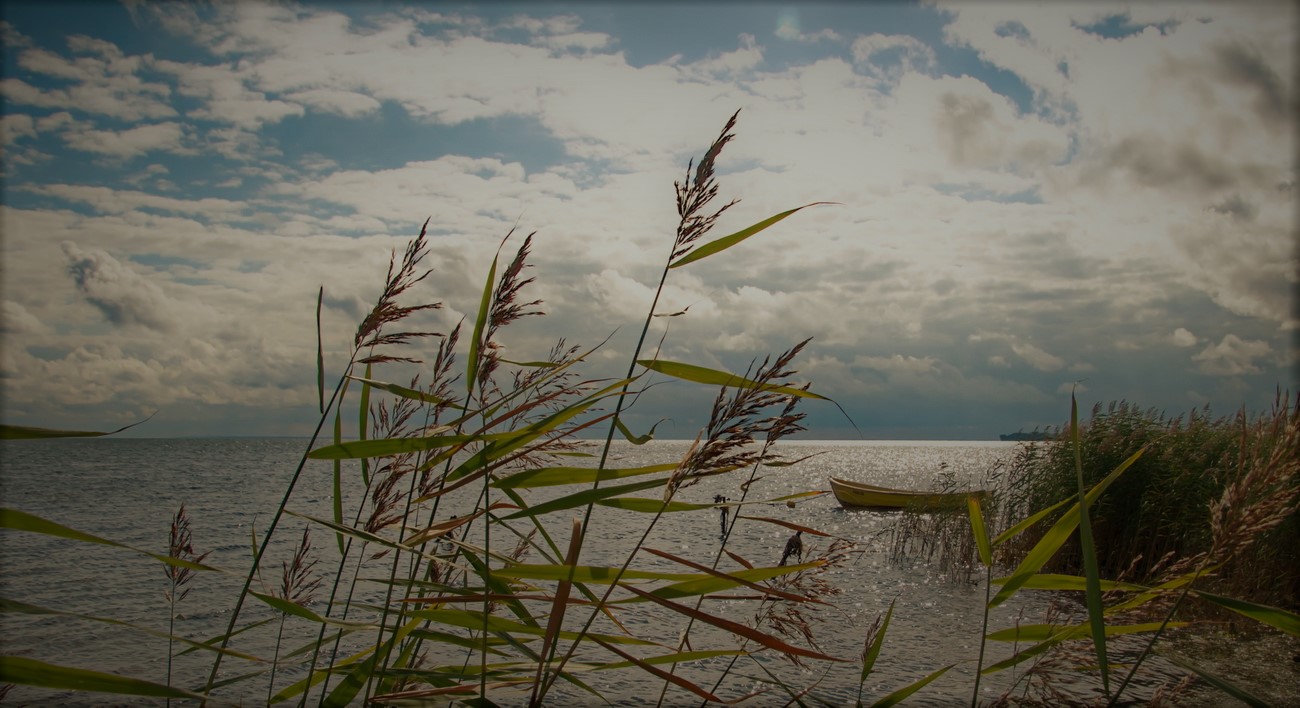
x=1030, y=201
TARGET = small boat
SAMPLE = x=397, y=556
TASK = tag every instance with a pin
x=869, y=496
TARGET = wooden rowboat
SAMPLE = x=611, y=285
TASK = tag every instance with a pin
x=869, y=496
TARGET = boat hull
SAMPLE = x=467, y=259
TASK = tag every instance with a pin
x=869, y=496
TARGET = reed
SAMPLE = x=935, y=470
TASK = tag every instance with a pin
x=461, y=576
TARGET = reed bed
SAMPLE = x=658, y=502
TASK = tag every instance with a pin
x=461, y=575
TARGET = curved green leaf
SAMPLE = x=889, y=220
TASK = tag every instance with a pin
x=977, y=529
x=726, y=242
x=901, y=694
x=1288, y=622
x=551, y=476
x=873, y=651
x=30, y=672
x=1221, y=684
x=1056, y=536
x=22, y=521
x=596, y=575
x=713, y=377
x=585, y=497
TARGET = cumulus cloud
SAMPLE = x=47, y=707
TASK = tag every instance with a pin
x=891, y=55
x=131, y=142
x=1233, y=356
x=1182, y=337
x=16, y=320
x=122, y=295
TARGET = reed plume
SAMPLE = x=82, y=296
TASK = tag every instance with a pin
x=298, y=585
x=180, y=545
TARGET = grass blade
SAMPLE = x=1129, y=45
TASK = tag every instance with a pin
x=30, y=672
x=736, y=628
x=27, y=432
x=901, y=694
x=586, y=497
x=873, y=651
x=1056, y=536
x=674, y=678
x=552, y=476
x=726, y=242
x=320, y=353
x=22, y=521
x=713, y=377
x=1288, y=622
x=1221, y=684
x=1092, y=575
x=979, y=531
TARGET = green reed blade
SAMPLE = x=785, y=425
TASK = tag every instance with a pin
x=480, y=323
x=338, y=480
x=671, y=677
x=680, y=657
x=651, y=506
x=23, y=521
x=713, y=377
x=30, y=672
x=726, y=242
x=1092, y=574
x=1053, y=581
x=363, y=423
x=873, y=652
x=979, y=531
x=473, y=619
x=736, y=628
x=1044, y=632
x=27, y=432
x=552, y=476
x=14, y=606
x=290, y=608
x=320, y=352
x=585, y=497
x=344, y=693
x=1056, y=536
x=404, y=392
x=710, y=584
x=387, y=447
x=1222, y=684
x=634, y=439
x=594, y=574
x=901, y=694
x=1027, y=522
x=1288, y=622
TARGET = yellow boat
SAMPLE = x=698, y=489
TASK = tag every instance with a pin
x=869, y=496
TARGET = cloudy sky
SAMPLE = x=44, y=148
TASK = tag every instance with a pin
x=1030, y=199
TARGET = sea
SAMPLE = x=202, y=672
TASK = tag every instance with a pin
x=105, y=606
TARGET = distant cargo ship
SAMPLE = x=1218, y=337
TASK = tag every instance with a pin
x=1022, y=436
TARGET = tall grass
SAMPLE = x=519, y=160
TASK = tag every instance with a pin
x=461, y=576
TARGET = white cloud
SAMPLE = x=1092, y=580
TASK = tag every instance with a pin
x=897, y=364
x=122, y=295
x=1233, y=356
x=345, y=103
x=1183, y=338
x=131, y=142
x=1036, y=357
x=891, y=55
x=106, y=82
x=16, y=320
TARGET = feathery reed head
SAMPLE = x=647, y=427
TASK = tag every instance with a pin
x=695, y=194
x=299, y=583
x=735, y=422
x=370, y=333
x=180, y=545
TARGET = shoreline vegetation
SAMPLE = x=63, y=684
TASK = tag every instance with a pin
x=1154, y=524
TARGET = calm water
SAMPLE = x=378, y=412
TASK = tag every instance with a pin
x=127, y=490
